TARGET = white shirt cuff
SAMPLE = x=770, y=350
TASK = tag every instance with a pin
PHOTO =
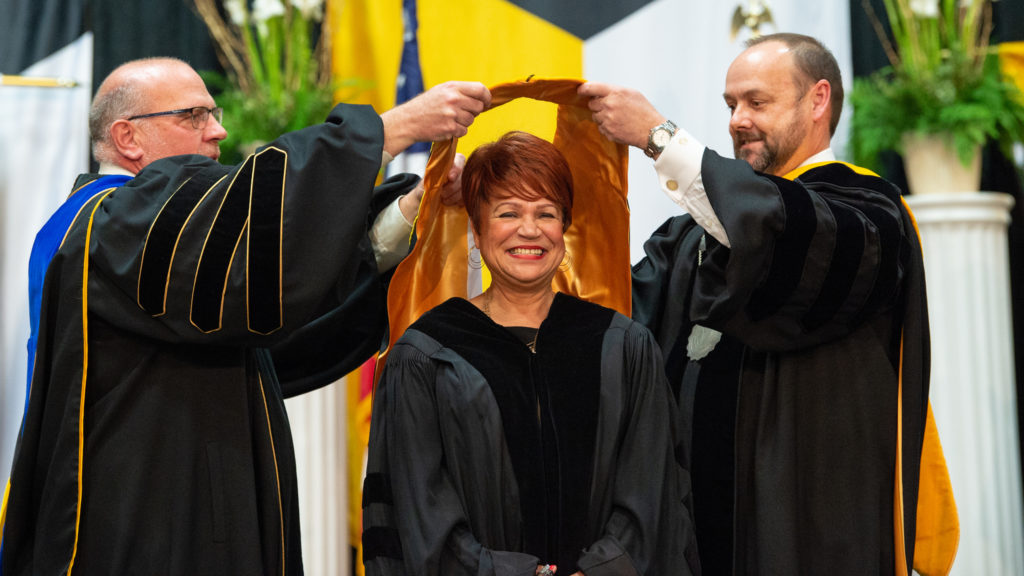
x=389, y=237
x=678, y=168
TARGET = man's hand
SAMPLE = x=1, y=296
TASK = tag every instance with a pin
x=623, y=115
x=445, y=111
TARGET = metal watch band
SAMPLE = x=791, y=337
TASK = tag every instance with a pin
x=653, y=148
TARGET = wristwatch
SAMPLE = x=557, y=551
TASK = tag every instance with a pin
x=659, y=137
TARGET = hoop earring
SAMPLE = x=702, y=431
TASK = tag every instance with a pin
x=566, y=264
x=476, y=262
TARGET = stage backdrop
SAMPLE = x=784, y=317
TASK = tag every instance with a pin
x=675, y=51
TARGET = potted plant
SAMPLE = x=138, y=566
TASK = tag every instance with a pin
x=942, y=93
x=276, y=55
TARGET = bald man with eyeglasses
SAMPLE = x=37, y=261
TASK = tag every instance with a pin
x=177, y=302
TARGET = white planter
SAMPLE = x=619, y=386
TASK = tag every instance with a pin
x=932, y=166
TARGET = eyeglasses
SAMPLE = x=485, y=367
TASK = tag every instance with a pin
x=199, y=115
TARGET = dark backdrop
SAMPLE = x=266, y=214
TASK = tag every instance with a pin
x=33, y=29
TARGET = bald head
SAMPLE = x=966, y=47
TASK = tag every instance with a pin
x=813, y=62
x=121, y=95
x=148, y=86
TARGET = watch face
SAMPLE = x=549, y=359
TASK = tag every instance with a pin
x=661, y=137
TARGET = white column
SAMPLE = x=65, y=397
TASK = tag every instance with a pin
x=973, y=386
x=318, y=422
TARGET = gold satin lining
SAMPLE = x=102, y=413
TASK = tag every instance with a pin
x=597, y=241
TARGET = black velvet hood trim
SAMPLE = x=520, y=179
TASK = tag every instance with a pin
x=549, y=405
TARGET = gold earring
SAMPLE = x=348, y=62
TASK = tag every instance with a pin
x=566, y=263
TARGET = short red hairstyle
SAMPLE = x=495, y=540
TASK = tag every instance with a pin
x=523, y=165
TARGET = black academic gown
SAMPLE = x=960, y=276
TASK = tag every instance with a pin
x=485, y=459
x=795, y=410
x=156, y=439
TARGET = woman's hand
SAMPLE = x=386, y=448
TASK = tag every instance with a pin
x=409, y=203
x=451, y=193
x=550, y=569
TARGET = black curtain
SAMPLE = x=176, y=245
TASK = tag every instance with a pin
x=128, y=30
x=32, y=30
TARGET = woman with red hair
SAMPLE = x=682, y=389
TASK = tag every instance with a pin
x=524, y=431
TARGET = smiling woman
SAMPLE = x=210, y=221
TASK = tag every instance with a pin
x=525, y=430
x=518, y=195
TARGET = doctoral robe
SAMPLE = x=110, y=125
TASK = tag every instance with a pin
x=486, y=459
x=795, y=409
x=156, y=439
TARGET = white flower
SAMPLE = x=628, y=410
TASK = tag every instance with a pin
x=263, y=10
x=925, y=8
x=236, y=10
x=311, y=10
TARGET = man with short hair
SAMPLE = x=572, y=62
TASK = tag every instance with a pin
x=156, y=439
x=790, y=305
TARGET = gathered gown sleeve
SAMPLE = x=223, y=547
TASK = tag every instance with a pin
x=239, y=255
x=648, y=528
x=811, y=258
x=409, y=469
x=350, y=324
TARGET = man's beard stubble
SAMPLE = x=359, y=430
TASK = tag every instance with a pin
x=774, y=152
x=760, y=160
